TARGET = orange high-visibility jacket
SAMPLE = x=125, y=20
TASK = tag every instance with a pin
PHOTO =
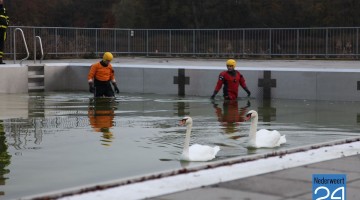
x=101, y=73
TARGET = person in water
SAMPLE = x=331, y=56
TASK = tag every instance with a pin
x=231, y=79
x=101, y=76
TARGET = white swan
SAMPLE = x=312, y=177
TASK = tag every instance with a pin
x=262, y=138
x=196, y=152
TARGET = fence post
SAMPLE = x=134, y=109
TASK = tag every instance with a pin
x=76, y=43
x=357, y=43
x=194, y=41
x=147, y=42
x=327, y=43
x=129, y=37
x=218, y=43
x=270, y=52
x=243, y=44
x=170, y=43
x=56, y=42
x=34, y=36
x=115, y=50
x=96, y=42
x=297, y=43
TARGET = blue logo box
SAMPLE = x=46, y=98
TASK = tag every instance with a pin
x=329, y=186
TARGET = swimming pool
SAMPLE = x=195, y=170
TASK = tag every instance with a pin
x=59, y=140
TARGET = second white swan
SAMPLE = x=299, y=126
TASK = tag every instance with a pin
x=196, y=152
x=262, y=138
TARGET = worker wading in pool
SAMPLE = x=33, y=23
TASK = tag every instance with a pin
x=101, y=76
x=231, y=79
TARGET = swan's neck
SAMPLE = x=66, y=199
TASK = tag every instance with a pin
x=253, y=129
x=185, y=153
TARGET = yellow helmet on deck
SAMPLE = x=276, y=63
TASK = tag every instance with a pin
x=231, y=62
x=108, y=56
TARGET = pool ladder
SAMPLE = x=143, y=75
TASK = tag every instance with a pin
x=36, y=78
x=36, y=72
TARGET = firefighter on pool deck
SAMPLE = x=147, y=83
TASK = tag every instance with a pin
x=231, y=79
x=4, y=23
x=101, y=76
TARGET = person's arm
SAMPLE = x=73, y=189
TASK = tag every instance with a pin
x=91, y=78
x=115, y=87
x=113, y=81
x=218, y=86
x=243, y=85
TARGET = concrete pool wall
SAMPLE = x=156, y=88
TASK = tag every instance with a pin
x=338, y=81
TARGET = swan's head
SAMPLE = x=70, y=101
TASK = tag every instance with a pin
x=186, y=121
x=251, y=115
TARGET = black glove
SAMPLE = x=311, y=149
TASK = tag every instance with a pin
x=91, y=87
x=213, y=95
x=247, y=91
x=116, y=88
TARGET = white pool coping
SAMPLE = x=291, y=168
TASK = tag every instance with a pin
x=211, y=64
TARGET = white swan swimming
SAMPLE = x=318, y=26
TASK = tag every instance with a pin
x=196, y=152
x=262, y=138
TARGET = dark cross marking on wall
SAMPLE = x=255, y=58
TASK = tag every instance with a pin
x=181, y=81
x=267, y=112
x=267, y=83
x=358, y=85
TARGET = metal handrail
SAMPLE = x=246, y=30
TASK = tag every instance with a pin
x=27, y=50
x=41, y=49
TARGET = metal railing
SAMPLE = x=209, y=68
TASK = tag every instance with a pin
x=41, y=49
x=292, y=43
x=24, y=43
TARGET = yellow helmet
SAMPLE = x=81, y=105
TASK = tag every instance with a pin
x=108, y=56
x=231, y=62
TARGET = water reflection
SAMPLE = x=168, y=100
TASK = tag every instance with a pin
x=267, y=113
x=230, y=115
x=4, y=157
x=180, y=107
x=101, y=116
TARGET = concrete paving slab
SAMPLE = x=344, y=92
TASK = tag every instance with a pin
x=354, y=184
x=352, y=193
x=305, y=174
x=270, y=186
x=347, y=164
x=217, y=193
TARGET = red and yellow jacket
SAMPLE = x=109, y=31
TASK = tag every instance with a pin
x=101, y=73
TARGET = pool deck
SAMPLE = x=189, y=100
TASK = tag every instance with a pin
x=245, y=64
x=290, y=184
x=213, y=63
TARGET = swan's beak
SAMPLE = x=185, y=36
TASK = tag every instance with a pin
x=182, y=122
x=248, y=117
